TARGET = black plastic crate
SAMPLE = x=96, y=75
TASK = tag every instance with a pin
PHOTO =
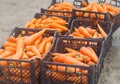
x=107, y=27
x=115, y=3
x=62, y=14
x=76, y=3
x=88, y=15
x=19, y=74
x=63, y=77
x=67, y=19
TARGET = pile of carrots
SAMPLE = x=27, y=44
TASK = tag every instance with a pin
x=88, y=32
x=62, y=6
x=103, y=8
x=25, y=48
x=86, y=56
x=53, y=23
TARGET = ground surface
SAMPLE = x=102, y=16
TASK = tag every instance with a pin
x=15, y=13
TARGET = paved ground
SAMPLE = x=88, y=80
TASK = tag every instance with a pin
x=17, y=12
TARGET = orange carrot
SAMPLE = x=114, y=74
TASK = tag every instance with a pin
x=11, y=39
x=47, y=46
x=68, y=60
x=83, y=31
x=1, y=51
x=71, y=60
x=18, y=55
x=25, y=56
x=91, y=49
x=33, y=20
x=50, y=39
x=71, y=50
x=60, y=21
x=76, y=34
x=84, y=3
x=5, y=54
x=42, y=46
x=62, y=68
x=9, y=44
x=20, y=44
x=91, y=63
x=102, y=31
x=35, y=50
x=12, y=49
x=91, y=31
x=33, y=37
x=85, y=51
x=86, y=59
x=30, y=54
x=55, y=25
x=37, y=42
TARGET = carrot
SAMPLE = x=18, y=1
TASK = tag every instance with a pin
x=102, y=31
x=85, y=51
x=91, y=63
x=32, y=26
x=71, y=60
x=55, y=25
x=1, y=51
x=25, y=56
x=84, y=3
x=61, y=22
x=71, y=50
x=79, y=59
x=83, y=58
x=83, y=31
x=35, y=50
x=90, y=31
x=12, y=39
x=12, y=49
x=33, y=20
x=37, y=25
x=34, y=58
x=91, y=49
x=95, y=35
x=30, y=54
x=20, y=44
x=37, y=42
x=5, y=54
x=76, y=34
x=32, y=38
x=42, y=46
x=3, y=63
x=63, y=68
x=68, y=60
x=100, y=9
x=86, y=59
x=50, y=39
x=9, y=44
x=27, y=48
x=59, y=57
x=18, y=54
x=47, y=46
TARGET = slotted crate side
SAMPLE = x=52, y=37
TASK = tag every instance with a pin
x=19, y=74
x=64, y=77
x=76, y=3
x=107, y=26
